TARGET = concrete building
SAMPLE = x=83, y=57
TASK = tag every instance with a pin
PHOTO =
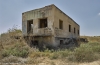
x=48, y=25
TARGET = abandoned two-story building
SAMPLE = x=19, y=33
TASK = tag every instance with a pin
x=49, y=25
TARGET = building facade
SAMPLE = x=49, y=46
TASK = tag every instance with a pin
x=49, y=25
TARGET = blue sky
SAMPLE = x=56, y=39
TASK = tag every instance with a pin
x=85, y=12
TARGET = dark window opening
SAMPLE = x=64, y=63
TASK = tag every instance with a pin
x=74, y=30
x=43, y=23
x=61, y=42
x=30, y=26
x=78, y=32
x=60, y=24
x=35, y=43
x=69, y=28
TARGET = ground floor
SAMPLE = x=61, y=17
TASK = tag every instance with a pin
x=48, y=41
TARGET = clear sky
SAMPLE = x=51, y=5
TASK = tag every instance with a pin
x=85, y=12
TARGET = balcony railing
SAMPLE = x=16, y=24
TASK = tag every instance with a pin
x=41, y=32
x=45, y=31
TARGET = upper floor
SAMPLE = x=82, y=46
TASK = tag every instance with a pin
x=49, y=21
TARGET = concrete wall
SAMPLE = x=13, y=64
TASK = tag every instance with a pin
x=47, y=40
x=53, y=15
x=36, y=15
x=63, y=34
x=59, y=15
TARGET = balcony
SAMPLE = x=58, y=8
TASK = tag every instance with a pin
x=44, y=32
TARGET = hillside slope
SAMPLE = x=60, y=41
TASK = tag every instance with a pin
x=14, y=50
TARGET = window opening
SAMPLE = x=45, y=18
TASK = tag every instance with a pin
x=69, y=28
x=74, y=30
x=43, y=23
x=61, y=42
x=60, y=24
x=78, y=32
x=30, y=26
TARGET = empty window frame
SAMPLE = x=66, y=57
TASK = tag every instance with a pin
x=78, y=32
x=74, y=30
x=43, y=23
x=61, y=42
x=29, y=26
x=69, y=28
x=60, y=24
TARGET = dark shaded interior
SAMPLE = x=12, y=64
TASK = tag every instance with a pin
x=43, y=23
x=30, y=26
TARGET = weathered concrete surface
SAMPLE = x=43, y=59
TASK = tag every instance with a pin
x=51, y=34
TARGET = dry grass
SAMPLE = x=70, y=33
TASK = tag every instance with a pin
x=92, y=38
x=13, y=49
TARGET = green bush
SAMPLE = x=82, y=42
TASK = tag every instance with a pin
x=5, y=53
x=36, y=54
x=54, y=56
x=95, y=47
x=64, y=53
x=60, y=54
x=17, y=51
x=10, y=59
x=84, y=53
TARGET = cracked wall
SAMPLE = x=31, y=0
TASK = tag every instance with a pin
x=52, y=34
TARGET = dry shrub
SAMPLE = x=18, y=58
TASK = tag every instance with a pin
x=12, y=45
x=9, y=37
x=85, y=53
x=33, y=61
x=15, y=51
x=60, y=54
x=17, y=47
x=36, y=54
x=95, y=47
x=10, y=59
x=92, y=38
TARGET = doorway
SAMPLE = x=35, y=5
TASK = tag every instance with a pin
x=30, y=26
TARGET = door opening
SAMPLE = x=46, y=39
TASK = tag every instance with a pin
x=30, y=26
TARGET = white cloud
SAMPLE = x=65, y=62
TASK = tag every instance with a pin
x=99, y=14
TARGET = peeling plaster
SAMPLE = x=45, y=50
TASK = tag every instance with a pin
x=50, y=33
